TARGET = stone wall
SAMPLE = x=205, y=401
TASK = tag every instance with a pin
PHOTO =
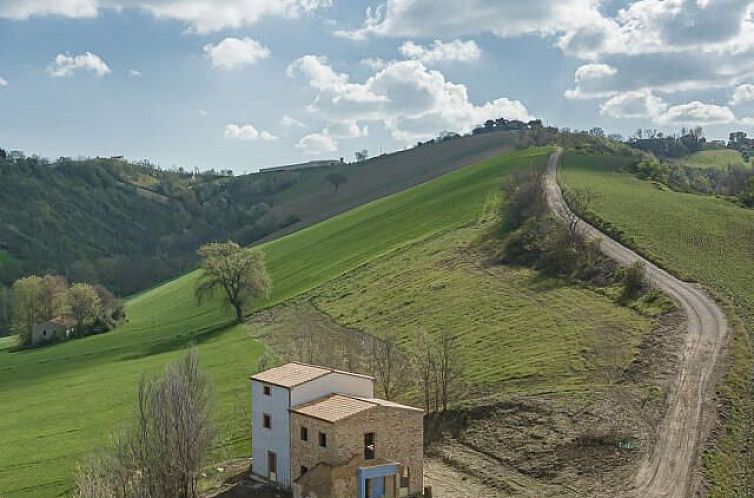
x=398, y=438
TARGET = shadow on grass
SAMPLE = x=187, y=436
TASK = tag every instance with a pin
x=181, y=341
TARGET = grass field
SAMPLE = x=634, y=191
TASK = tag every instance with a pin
x=516, y=330
x=702, y=238
x=60, y=402
x=714, y=158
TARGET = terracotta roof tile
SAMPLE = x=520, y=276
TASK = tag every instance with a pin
x=291, y=375
x=333, y=407
x=294, y=374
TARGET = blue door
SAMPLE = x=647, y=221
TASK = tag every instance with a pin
x=376, y=487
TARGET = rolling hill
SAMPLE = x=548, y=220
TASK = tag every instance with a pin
x=516, y=330
x=85, y=219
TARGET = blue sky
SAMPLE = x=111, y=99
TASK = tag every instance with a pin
x=244, y=84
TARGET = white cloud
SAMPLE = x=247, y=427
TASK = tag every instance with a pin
x=134, y=73
x=346, y=129
x=410, y=100
x=203, y=113
x=233, y=53
x=639, y=104
x=247, y=132
x=201, y=16
x=456, y=50
x=24, y=9
x=696, y=113
x=317, y=144
x=289, y=121
x=65, y=65
x=425, y=19
x=3, y=82
x=373, y=63
x=742, y=94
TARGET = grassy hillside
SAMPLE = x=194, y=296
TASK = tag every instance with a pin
x=62, y=401
x=702, y=238
x=714, y=158
x=130, y=226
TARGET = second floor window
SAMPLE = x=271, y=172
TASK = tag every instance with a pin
x=304, y=434
x=323, y=439
x=267, y=421
x=369, y=446
x=267, y=391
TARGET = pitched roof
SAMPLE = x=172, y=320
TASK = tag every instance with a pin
x=335, y=407
x=295, y=373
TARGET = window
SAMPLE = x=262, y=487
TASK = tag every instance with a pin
x=267, y=421
x=267, y=391
x=323, y=439
x=369, y=446
x=304, y=469
x=304, y=434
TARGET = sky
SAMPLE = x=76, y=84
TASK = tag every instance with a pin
x=244, y=84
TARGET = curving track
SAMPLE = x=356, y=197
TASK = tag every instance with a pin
x=667, y=471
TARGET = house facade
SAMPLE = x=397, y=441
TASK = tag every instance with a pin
x=55, y=329
x=321, y=433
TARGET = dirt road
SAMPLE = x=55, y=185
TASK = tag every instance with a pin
x=667, y=471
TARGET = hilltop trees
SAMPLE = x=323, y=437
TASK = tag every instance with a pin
x=240, y=273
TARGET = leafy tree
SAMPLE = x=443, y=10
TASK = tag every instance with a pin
x=336, y=180
x=361, y=155
x=3, y=154
x=26, y=306
x=52, y=296
x=240, y=273
x=84, y=304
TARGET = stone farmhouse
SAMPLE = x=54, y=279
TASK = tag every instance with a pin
x=321, y=433
x=56, y=329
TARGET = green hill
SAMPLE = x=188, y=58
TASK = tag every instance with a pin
x=714, y=158
x=131, y=226
x=702, y=238
x=62, y=401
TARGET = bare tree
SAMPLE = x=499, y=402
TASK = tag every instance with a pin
x=385, y=359
x=423, y=359
x=579, y=202
x=448, y=365
x=163, y=453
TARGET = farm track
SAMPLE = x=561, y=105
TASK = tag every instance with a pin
x=668, y=469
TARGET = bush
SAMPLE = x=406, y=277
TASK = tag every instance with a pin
x=634, y=281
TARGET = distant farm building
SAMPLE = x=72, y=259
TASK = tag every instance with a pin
x=311, y=164
x=56, y=329
x=321, y=433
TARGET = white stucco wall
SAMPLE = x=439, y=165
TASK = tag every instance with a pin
x=334, y=382
x=277, y=438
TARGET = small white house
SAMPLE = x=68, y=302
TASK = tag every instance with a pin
x=274, y=393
